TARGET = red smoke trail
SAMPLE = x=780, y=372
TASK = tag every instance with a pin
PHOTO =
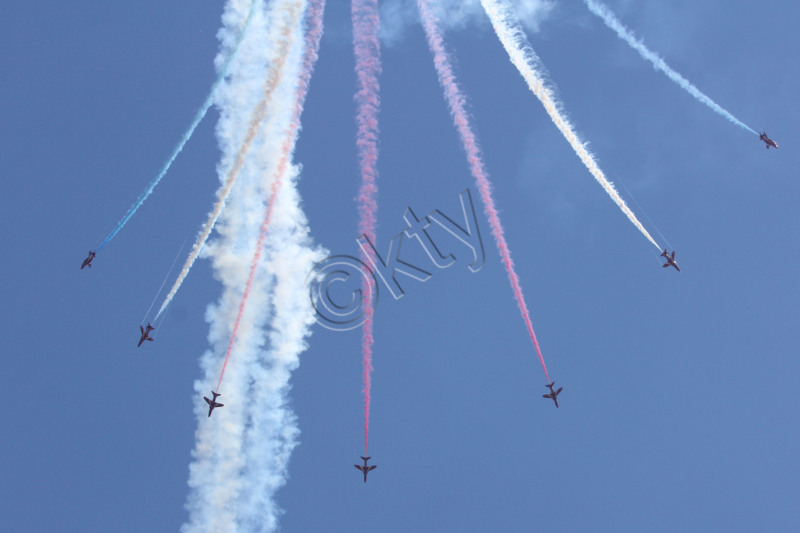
x=311, y=42
x=364, y=14
x=455, y=100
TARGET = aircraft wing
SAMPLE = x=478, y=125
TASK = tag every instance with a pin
x=207, y=400
x=559, y=390
x=359, y=467
x=373, y=467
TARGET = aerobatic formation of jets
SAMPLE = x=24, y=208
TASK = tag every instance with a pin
x=146, y=333
x=366, y=468
x=213, y=402
x=553, y=395
x=670, y=260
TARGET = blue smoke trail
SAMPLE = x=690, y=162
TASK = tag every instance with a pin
x=186, y=136
x=625, y=34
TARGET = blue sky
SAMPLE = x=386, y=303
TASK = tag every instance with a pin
x=679, y=403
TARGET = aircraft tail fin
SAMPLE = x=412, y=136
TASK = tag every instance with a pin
x=366, y=458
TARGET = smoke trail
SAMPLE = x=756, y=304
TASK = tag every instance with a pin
x=366, y=23
x=455, y=101
x=273, y=432
x=187, y=135
x=164, y=282
x=287, y=36
x=625, y=34
x=270, y=84
x=241, y=455
x=527, y=62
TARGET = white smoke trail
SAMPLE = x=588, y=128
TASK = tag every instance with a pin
x=273, y=78
x=625, y=34
x=508, y=30
x=241, y=452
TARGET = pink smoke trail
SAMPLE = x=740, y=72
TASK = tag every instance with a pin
x=311, y=42
x=455, y=101
x=366, y=21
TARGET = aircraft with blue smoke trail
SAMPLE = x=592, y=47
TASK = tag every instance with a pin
x=670, y=260
x=366, y=468
x=213, y=403
x=553, y=394
x=769, y=142
x=146, y=333
x=88, y=260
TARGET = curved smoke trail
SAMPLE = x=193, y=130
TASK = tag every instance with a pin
x=187, y=135
x=241, y=453
x=276, y=69
x=625, y=34
x=527, y=62
x=366, y=23
x=455, y=100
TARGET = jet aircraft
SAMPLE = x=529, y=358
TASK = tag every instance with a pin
x=146, y=333
x=213, y=403
x=553, y=394
x=88, y=260
x=366, y=468
x=670, y=260
x=769, y=142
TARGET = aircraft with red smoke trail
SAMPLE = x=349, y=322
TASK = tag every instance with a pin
x=553, y=394
x=88, y=260
x=670, y=260
x=145, y=333
x=213, y=403
x=366, y=468
x=769, y=142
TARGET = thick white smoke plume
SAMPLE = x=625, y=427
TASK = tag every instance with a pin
x=242, y=451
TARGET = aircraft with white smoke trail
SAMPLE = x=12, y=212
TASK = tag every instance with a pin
x=366, y=468
x=145, y=334
x=670, y=260
x=88, y=260
x=507, y=26
x=213, y=403
x=611, y=20
x=769, y=142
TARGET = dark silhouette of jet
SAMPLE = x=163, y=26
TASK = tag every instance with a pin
x=213, y=403
x=366, y=468
x=769, y=142
x=553, y=394
x=146, y=333
x=670, y=260
x=88, y=260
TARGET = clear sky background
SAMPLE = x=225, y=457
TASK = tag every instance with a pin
x=679, y=410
